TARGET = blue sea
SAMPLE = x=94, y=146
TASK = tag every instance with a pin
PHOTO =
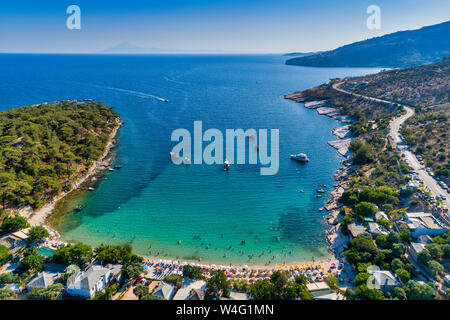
x=152, y=203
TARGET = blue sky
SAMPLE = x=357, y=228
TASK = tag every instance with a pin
x=224, y=25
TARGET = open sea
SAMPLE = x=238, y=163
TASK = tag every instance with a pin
x=152, y=203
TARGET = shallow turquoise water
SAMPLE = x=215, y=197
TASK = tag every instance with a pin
x=152, y=203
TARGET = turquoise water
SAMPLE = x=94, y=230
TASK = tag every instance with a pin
x=152, y=203
x=46, y=251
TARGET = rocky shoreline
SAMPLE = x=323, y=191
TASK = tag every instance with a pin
x=334, y=237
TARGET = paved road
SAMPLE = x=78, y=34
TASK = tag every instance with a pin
x=429, y=182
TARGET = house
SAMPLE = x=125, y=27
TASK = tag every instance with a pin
x=356, y=230
x=165, y=291
x=384, y=280
x=415, y=248
x=421, y=223
x=375, y=229
x=196, y=294
x=447, y=280
x=42, y=280
x=188, y=285
x=91, y=281
x=425, y=239
x=381, y=215
x=239, y=296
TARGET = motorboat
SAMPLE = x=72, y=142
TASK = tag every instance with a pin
x=300, y=157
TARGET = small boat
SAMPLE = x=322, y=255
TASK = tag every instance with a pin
x=318, y=196
x=91, y=189
x=321, y=191
x=78, y=208
x=300, y=157
x=165, y=100
x=322, y=185
x=226, y=165
x=110, y=169
x=119, y=166
x=320, y=209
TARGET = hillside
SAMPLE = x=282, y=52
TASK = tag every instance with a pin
x=399, y=49
x=43, y=148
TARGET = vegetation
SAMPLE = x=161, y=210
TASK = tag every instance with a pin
x=37, y=234
x=15, y=223
x=4, y=254
x=79, y=254
x=32, y=260
x=218, y=284
x=7, y=294
x=49, y=293
x=43, y=148
x=175, y=279
x=116, y=254
x=193, y=272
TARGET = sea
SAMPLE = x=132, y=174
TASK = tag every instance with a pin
x=198, y=211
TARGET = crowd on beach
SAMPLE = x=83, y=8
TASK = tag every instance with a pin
x=317, y=271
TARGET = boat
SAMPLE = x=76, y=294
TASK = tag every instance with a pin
x=91, y=189
x=322, y=185
x=78, y=208
x=320, y=209
x=318, y=196
x=226, y=165
x=321, y=191
x=165, y=100
x=119, y=166
x=110, y=169
x=300, y=157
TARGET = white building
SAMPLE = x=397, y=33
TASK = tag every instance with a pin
x=188, y=285
x=420, y=223
x=415, y=249
x=91, y=281
x=165, y=291
x=384, y=280
x=42, y=280
x=375, y=229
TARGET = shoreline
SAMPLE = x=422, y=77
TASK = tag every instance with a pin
x=334, y=237
x=40, y=216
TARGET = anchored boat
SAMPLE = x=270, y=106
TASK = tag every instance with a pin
x=300, y=157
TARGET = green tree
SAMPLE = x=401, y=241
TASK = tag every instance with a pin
x=366, y=209
x=79, y=254
x=424, y=256
x=403, y=275
x=361, y=278
x=132, y=270
x=364, y=293
x=262, y=290
x=33, y=262
x=435, y=268
x=175, y=279
x=218, y=284
x=12, y=224
x=7, y=294
x=435, y=250
x=4, y=254
x=140, y=290
x=193, y=272
x=418, y=291
x=49, y=293
x=37, y=233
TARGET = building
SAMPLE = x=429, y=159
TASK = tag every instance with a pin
x=424, y=239
x=375, y=229
x=42, y=280
x=420, y=223
x=415, y=248
x=381, y=215
x=355, y=230
x=196, y=294
x=91, y=281
x=384, y=280
x=165, y=291
x=239, y=296
x=188, y=285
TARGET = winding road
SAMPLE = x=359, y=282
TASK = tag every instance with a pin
x=429, y=182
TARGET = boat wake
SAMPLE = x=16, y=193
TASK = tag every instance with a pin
x=131, y=92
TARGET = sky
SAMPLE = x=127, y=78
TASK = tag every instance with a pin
x=248, y=26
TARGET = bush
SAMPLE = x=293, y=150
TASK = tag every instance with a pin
x=12, y=224
x=403, y=275
x=38, y=233
x=366, y=209
x=435, y=268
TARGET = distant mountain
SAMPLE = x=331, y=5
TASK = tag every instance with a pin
x=129, y=48
x=399, y=49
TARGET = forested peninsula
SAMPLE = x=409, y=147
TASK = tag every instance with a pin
x=45, y=148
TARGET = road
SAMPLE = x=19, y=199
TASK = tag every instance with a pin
x=429, y=182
